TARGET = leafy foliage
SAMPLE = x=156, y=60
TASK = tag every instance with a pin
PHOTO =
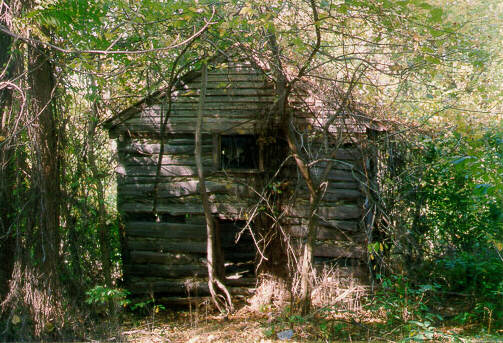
x=451, y=222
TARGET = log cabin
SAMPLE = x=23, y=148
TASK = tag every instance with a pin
x=244, y=156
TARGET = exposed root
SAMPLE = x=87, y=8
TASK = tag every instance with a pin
x=221, y=297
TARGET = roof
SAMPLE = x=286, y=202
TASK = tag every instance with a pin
x=316, y=111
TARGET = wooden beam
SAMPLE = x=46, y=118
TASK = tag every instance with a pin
x=162, y=245
x=166, y=170
x=185, y=209
x=152, y=160
x=169, y=271
x=345, y=225
x=183, y=188
x=155, y=148
x=166, y=230
x=329, y=250
x=300, y=231
x=327, y=212
x=227, y=92
x=147, y=257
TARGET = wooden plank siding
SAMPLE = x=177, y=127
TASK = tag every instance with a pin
x=169, y=246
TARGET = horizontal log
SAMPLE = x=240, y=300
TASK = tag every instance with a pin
x=327, y=212
x=240, y=256
x=155, y=148
x=161, y=245
x=182, y=113
x=218, y=83
x=227, y=126
x=237, y=270
x=244, y=99
x=179, y=160
x=174, y=139
x=230, y=211
x=345, y=225
x=195, y=219
x=223, y=92
x=166, y=230
x=137, y=180
x=184, y=227
x=335, y=186
x=339, y=164
x=341, y=175
x=180, y=189
x=142, y=257
x=172, y=287
x=349, y=154
x=235, y=67
x=154, y=122
x=176, y=271
x=344, y=155
x=167, y=258
x=317, y=171
x=241, y=282
x=333, y=175
x=328, y=250
x=169, y=271
x=192, y=232
x=300, y=231
x=336, y=194
x=259, y=107
x=224, y=77
x=166, y=170
x=182, y=288
x=189, y=200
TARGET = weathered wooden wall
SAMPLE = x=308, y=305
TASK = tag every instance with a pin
x=341, y=238
x=163, y=251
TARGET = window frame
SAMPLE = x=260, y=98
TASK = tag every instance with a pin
x=217, y=152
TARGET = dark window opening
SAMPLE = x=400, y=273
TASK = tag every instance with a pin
x=239, y=152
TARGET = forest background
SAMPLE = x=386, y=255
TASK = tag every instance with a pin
x=432, y=69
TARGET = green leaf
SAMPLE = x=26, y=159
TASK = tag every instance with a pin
x=432, y=59
x=424, y=5
x=436, y=15
x=387, y=4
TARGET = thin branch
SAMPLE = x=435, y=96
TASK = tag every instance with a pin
x=316, y=47
x=36, y=42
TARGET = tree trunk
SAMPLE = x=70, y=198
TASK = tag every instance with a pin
x=35, y=289
x=7, y=174
x=219, y=293
x=47, y=176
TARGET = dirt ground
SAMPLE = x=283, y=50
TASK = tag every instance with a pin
x=267, y=327
x=215, y=329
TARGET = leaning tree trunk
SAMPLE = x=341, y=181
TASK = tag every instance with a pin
x=219, y=292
